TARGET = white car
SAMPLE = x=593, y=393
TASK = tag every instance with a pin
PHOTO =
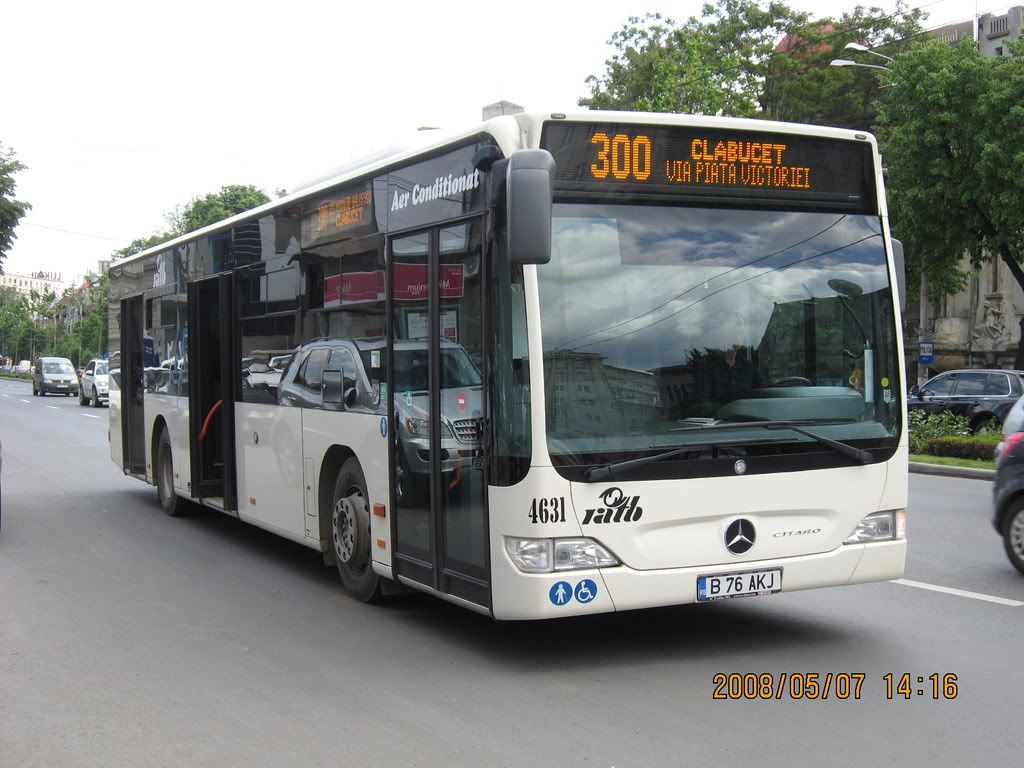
x=95, y=384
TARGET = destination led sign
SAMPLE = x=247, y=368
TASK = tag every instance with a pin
x=697, y=162
x=341, y=214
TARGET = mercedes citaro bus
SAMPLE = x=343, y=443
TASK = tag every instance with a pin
x=552, y=365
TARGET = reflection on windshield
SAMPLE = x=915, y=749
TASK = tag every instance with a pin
x=57, y=368
x=411, y=366
x=656, y=317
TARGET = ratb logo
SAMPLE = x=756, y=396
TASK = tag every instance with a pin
x=617, y=508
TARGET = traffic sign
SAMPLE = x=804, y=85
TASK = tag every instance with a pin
x=926, y=352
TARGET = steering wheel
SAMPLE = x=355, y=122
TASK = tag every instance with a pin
x=792, y=381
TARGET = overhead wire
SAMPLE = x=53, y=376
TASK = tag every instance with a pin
x=73, y=232
x=727, y=287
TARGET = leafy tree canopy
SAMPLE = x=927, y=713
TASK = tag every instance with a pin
x=231, y=200
x=11, y=210
x=200, y=212
x=729, y=61
x=950, y=128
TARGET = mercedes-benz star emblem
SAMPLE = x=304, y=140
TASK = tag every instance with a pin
x=739, y=536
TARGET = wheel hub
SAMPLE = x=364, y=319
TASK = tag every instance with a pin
x=346, y=528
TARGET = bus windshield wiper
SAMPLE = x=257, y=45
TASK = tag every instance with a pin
x=864, y=457
x=608, y=471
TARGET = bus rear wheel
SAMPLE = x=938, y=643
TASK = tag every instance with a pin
x=170, y=502
x=350, y=534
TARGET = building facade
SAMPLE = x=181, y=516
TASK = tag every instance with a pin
x=40, y=282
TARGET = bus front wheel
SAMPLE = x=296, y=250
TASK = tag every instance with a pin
x=350, y=534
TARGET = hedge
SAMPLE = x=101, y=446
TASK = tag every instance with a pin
x=964, y=447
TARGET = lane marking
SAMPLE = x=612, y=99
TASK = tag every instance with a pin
x=54, y=407
x=5, y=394
x=24, y=401
x=959, y=592
x=90, y=416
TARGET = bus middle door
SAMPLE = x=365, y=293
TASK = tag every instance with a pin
x=213, y=377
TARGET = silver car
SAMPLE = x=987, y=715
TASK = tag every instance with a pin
x=461, y=398
x=461, y=409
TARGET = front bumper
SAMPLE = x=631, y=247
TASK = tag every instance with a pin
x=518, y=595
x=60, y=389
x=417, y=454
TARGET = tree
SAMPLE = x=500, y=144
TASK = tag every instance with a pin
x=950, y=129
x=140, y=244
x=200, y=212
x=708, y=65
x=741, y=60
x=801, y=87
x=231, y=200
x=11, y=210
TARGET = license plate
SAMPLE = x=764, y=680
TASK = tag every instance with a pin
x=62, y=386
x=748, y=584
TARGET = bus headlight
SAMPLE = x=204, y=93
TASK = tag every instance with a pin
x=547, y=555
x=880, y=526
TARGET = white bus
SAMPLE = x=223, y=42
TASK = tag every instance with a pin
x=553, y=365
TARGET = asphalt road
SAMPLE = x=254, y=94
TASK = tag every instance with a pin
x=128, y=638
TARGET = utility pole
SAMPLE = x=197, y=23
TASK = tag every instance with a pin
x=922, y=369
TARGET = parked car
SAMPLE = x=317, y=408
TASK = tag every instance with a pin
x=95, y=383
x=1008, y=488
x=56, y=375
x=979, y=395
x=24, y=367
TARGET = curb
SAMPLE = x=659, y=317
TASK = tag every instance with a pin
x=941, y=469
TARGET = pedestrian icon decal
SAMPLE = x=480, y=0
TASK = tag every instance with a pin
x=586, y=590
x=561, y=593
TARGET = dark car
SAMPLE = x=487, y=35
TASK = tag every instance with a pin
x=979, y=395
x=55, y=375
x=1008, y=489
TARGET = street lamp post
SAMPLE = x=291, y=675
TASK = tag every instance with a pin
x=922, y=369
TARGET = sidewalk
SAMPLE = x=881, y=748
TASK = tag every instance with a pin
x=942, y=469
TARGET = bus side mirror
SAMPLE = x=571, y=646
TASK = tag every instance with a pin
x=529, y=187
x=901, y=273
x=332, y=390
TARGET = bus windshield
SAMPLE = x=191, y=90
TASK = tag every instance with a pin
x=657, y=319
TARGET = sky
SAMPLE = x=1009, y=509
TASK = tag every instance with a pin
x=123, y=111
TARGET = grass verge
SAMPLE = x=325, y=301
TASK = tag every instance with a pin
x=950, y=461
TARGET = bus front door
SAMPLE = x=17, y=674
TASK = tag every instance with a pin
x=213, y=377
x=437, y=398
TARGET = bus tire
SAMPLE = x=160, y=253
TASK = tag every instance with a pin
x=350, y=534
x=170, y=502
